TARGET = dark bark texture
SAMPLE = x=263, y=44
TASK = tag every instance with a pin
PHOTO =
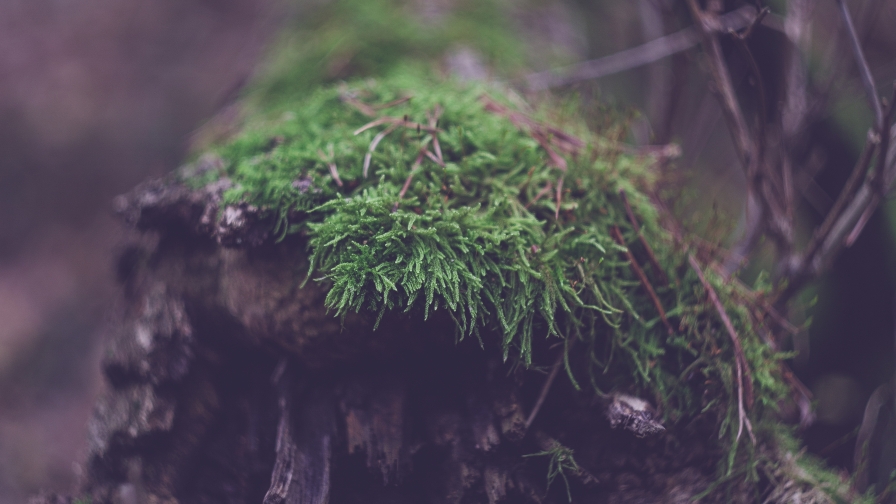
x=228, y=382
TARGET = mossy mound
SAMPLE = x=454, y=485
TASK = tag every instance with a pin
x=417, y=195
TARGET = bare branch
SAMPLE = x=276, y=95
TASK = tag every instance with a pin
x=864, y=71
x=644, y=54
x=855, y=204
x=707, y=25
x=845, y=197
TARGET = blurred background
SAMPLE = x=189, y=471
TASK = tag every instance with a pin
x=97, y=95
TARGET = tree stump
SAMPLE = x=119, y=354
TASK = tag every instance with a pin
x=230, y=380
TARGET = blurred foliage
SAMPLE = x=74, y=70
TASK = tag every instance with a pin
x=358, y=38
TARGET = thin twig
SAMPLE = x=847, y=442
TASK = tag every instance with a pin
x=744, y=376
x=845, y=197
x=544, y=389
x=727, y=98
x=331, y=164
x=864, y=70
x=559, y=197
x=844, y=222
x=741, y=40
x=803, y=396
x=435, y=158
x=544, y=190
x=756, y=21
x=650, y=255
x=878, y=179
x=372, y=124
x=376, y=140
x=794, y=114
x=617, y=235
x=559, y=139
x=367, y=109
x=641, y=55
x=746, y=146
x=433, y=120
x=414, y=167
x=397, y=101
x=397, y=122
x=358, y=104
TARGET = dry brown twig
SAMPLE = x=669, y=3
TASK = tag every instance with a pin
x=744, y=376
x=637, y=227
x=433, y=120
x=642, y=277
x=549, y=138
x=545, y=389
x=331, y=163
x=397, y=121
x=367, y=109
x=394, y=123
x=544, y=190
x=556, y=138
x=414, y=167
x=373, y=143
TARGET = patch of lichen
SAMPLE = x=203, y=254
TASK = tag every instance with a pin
x=513, y=247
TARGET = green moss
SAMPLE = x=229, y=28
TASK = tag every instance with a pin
x=484, y=238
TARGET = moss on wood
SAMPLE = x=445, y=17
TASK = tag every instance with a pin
x=420, y=195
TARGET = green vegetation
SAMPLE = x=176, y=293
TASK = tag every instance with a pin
x=352, y=38
x=560, y=460
x=417, y=195
x=486, y=237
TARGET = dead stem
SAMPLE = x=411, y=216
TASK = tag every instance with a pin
x=397, y=101
x=744, y=377
x=544, y=390
x=864, y=70
x=650, y=255
x=617, y=235
x=878, y=182
x=414, y=168
x=358, y=104
x=561, y=140
x=544, y=190
x=331, y=164
x=372, y=124
x=435, y=159
x=433, y=120
x=376, y=140
x=397, y=121
x=559, y=198
x=370, y=110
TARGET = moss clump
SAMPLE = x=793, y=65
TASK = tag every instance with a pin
x=417, y=195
